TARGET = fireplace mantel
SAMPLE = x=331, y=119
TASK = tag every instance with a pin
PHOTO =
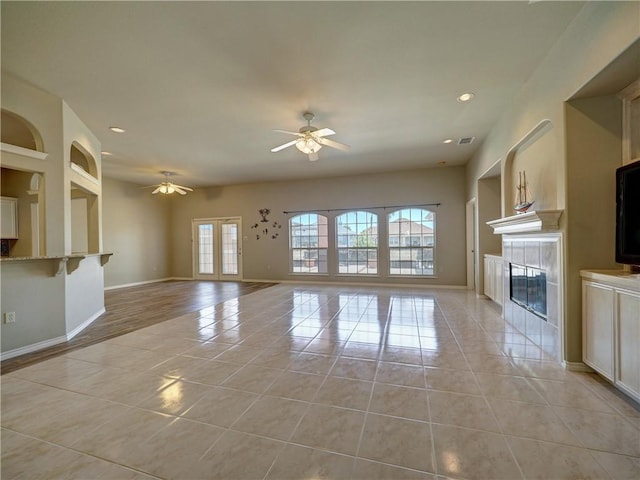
x=535, y=221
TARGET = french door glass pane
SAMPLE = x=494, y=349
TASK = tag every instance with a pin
x=229, y=249
x=205, y=248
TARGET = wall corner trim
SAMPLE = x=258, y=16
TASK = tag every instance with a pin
x=84, y=324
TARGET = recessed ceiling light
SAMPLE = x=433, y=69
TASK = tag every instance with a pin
x=116, y=129
x=465, y=97
x=106, y=154
x=448, y=140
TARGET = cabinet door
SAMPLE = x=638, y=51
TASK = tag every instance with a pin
x=488, y=278
x=628, y=374
x=8, y=217
x=597, y=327
x=498, y=285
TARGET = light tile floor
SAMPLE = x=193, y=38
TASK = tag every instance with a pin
x=318, y=382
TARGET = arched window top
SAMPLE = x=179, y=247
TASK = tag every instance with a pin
x=17, y=131
x=83, y=159
x=358, y=219
x=357, y=242
x=308, y=218
x=420, y=216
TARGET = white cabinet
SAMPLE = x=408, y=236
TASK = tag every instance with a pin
x=8, y=217
x=628, y=371
x=597, y=327
x=493, y=278
x=611, y=327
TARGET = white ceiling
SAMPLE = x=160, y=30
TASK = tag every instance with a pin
x=199, y=87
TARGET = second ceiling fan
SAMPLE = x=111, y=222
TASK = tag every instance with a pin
x=311, y=139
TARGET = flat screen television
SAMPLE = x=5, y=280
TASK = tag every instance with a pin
x=628, y=214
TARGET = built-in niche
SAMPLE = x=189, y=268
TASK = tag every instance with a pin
x=84, y=204
x=15, y=130
x=489, y=208
x=25, y=187
x=82, y=161
x=84, y=221
x=527, y=156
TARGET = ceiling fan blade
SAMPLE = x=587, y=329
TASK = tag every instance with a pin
x=283, y=146
x=179, y=190
x=313, y=156
x=290, y=133
x=156, y=190
x=183, y=187
x=332, y=144
x=323, y=132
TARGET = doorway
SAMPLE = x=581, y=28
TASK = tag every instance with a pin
x=472, y=270
x=217, y=254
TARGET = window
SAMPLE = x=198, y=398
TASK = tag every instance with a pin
x=411, y=242
x=357, y=243
x=308, y=241
x=205, y=240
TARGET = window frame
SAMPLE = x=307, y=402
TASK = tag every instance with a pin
x=354, y=248
x=407, y=246
x=301, y=248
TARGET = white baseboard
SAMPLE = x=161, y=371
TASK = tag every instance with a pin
x=356, y=284
x=84, y=324
x=577, y=367
x=145, y=282
x=32, y=348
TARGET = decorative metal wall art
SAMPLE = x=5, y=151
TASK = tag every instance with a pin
x=263, y=231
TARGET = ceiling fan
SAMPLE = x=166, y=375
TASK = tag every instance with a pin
x=167, y=187
x=310, y=139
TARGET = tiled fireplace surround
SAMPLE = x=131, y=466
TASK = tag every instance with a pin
x=543, y=251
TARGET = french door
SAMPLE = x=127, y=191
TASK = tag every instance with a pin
x=217, y=252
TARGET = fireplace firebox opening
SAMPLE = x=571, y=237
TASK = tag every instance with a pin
x=528, y=288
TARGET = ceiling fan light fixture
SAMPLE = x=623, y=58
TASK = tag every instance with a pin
x=308, y=145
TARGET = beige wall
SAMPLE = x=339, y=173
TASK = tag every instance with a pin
x=136, y=228
x=44, y=112
x=598, y=34
x=267, y=259
x=594, y=151
x=71, y=298
x=488, y=205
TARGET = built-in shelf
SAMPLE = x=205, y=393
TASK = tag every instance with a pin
x=83, y=173
x=25, y=152
x=535, y=221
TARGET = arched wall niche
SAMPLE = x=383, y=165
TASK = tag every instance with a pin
x=84, y=220
x=508, y=178
x=15, y=130
x=83, y=159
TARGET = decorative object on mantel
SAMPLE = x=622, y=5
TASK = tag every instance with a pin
x=524, y=196
x=265, y=230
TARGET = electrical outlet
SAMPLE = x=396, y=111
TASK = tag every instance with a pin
x=10, y=317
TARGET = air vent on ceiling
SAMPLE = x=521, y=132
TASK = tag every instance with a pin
x=465, y=140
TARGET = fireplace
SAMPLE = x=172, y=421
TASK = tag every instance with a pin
x=528, y=288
